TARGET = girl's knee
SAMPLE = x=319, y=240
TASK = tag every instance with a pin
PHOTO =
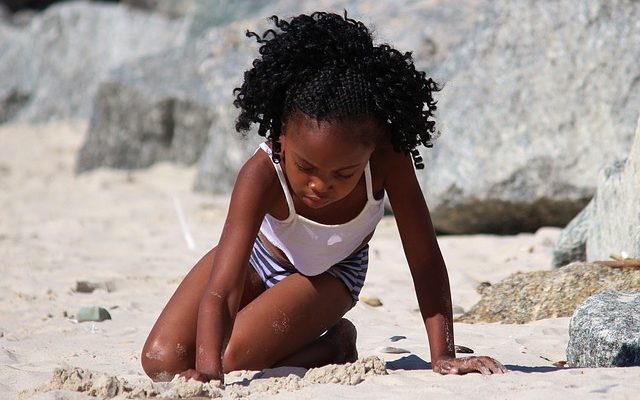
x=241, y=356
x=161, y=361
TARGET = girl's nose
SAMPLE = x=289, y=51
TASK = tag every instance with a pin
x=319, y=185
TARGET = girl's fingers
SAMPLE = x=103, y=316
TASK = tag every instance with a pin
x=499, y=368
x=442, y=367
x=484, y=365
x=491, y=366
x=189, y=374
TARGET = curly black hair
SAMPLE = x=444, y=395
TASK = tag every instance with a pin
x=326, y=66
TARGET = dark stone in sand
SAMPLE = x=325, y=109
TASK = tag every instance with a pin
x=95, y=314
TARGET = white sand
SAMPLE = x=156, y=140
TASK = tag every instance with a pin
x=120, y=229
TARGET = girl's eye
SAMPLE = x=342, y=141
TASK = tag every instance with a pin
x=303, y=169
x=340, y=176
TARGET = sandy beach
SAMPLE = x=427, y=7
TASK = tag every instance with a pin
x=121, y=231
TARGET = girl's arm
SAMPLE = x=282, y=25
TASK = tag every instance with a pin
x=251, y=198
x=427, y=268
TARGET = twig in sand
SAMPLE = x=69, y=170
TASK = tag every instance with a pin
x=624, y=263
x=183, y=224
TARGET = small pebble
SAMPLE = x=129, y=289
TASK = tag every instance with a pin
x=463, y=349
x=89, y=287
x=96, y=314
x=85, y=287
x=560, y=364
x=396, y=338
x=393, y=350
x=372, y=301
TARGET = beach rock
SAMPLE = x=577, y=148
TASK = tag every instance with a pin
x=541, y=96
x=615, y=226
x=571, y=245
x=463, y=349
x=155, y=109
x=51, y=66
x=605, y=331
x=95, y=314
x=89, y=287
x=524, y=297
x=371, y=301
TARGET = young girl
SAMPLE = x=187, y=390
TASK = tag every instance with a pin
x=342, y=118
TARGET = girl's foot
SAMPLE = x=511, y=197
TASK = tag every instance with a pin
x=343, y=335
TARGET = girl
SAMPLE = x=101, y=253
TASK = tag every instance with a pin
x=342, y=118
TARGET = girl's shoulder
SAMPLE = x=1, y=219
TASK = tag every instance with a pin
x=390, y=168
x=385, y=162
x=260, y=176
x=378, y=163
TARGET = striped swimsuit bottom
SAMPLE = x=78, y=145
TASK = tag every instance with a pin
x=351, y=271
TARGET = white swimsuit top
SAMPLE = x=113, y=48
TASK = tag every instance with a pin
x=312, y=247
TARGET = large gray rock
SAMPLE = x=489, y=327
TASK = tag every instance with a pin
x=571, y=245
x=156, y=109
x=605, y=331
x=51, y=67
x=522, y=131
x=539, y=99
x=615, y=226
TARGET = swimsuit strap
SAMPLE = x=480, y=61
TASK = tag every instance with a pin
x=367, y=179
x=282, y=179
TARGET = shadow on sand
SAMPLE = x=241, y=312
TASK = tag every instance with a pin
x=413, y=362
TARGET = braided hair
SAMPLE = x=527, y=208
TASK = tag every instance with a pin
x=326, y=66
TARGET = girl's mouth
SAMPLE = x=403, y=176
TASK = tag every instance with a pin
x=314, y=201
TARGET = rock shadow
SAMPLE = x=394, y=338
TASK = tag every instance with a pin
x=529, y=370
x=409, y=363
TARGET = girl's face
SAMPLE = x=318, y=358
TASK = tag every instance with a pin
x=324, y=161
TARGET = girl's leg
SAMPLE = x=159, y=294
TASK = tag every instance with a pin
x=337, y=346
x=170, y=347
x=283, y=325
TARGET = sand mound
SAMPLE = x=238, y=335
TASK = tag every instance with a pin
x=347, y=374
x=107, y=387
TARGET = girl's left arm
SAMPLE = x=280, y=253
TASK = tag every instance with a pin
x=427, y=268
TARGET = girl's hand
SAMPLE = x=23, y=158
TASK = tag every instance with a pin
x=460, y=366
x=199, y=376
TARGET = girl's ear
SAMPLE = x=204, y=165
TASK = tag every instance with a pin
x=283, y=132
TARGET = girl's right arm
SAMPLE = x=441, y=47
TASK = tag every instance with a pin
x=253, y=194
